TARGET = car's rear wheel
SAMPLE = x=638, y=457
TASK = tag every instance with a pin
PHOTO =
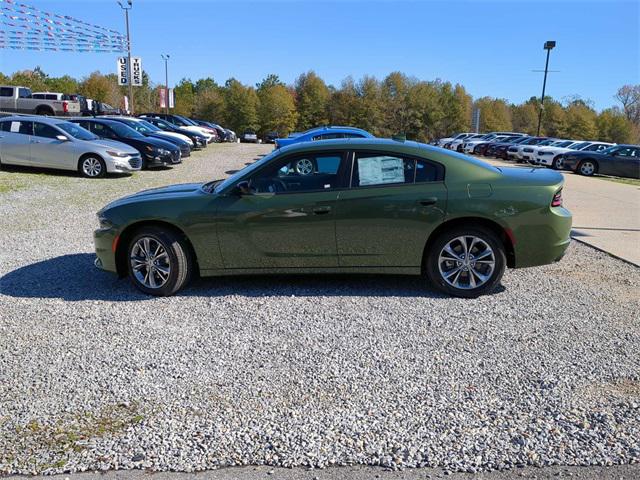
x=466, y=261
x=159, y=261
x=92, y=166
x=587, y=168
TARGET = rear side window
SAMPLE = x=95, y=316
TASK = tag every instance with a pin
x=44, y=130
x=6, y=92
x=376, y=169
x=13, y=126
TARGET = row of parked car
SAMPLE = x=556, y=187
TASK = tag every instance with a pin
x=584, y=157
x=95, y=146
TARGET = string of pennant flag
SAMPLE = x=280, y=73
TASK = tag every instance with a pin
x=23, y=27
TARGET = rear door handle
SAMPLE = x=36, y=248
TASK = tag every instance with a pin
x=425, y=202
x=321, y=210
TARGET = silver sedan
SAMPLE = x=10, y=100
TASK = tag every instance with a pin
x=53, y=143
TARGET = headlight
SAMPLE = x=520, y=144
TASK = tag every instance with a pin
x=162, y=151
x=104, y=222
x=113, y=153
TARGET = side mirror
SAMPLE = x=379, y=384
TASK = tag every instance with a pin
x=244, y=188
x=62, y=138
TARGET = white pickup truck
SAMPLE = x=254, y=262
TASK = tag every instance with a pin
x=20, y=100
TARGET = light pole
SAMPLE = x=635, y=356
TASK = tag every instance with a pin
x=166, y=57
x=126, y=18
x=548, y=46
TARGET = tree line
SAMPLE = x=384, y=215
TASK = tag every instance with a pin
x=398, y=104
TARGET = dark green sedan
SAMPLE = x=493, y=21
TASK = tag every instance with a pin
x=342, y=206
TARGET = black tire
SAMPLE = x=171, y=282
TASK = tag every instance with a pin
x=587, y=167
x=557, y=163
x=179, y=260
x=490, y=239
x=45, y=111
x=92, y=166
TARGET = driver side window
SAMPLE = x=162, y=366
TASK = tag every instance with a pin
x=305, y=173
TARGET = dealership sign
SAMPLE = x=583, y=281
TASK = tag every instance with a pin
x=136, y=71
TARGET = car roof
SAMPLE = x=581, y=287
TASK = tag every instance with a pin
x=370, y=143
x=35, y=118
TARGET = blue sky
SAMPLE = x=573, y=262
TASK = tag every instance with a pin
x=489, y=47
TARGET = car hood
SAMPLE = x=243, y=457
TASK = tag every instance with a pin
x=160, y=193
x=123, y=147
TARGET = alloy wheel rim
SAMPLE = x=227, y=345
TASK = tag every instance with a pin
x=587, y=168
x=466, y=262
x=91, y=167
x=304, y=167
x=558, y=163
x=150, y=262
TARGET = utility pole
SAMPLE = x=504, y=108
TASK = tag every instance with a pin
x=129, y=79
x=165, y=57
x=548, y=46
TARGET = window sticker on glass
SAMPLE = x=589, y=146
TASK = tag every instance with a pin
x=15, y=127
x=380, y=170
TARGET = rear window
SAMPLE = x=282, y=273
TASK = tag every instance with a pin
x=6, y=92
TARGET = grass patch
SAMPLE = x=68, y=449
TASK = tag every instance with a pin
x=70, y=435
x=627, y=181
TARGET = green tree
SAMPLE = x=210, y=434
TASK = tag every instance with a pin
x=495, y=114
x=553, y=119
x=98, y=87
x=276, y=108
x=614, y=126
x=241, y=106
x=312, y=97
x=395, y=90
x=580, y=121
x=369, y=107
x=184, y=97
x=64, y=84
x=524, y=117
x=343, y=104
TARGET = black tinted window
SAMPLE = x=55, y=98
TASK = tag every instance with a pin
x=44, y=130
x=102, y=130
x=6, y=92
x=4, y=126
x=13, y=126
x=306, y=173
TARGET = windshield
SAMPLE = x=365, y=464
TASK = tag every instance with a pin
x=608, y=151
x=233, y=179
x=186, y=121
x=579, y=145
x=137, y=126
x=124, y=131
x=148, y=125
x=563, y=143
x=76, y=131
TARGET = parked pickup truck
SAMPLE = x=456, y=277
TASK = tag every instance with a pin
x=20, y=100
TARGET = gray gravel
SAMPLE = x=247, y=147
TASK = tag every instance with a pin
x=299, y=371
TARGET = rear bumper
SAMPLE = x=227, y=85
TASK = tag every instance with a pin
x=545, y=241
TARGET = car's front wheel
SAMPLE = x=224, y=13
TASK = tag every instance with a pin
x=587, y=168
x=466, y=261
x=557, y=163
x=159, y=261
x=92, y=166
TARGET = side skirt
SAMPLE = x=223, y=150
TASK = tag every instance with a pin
x=312, y=271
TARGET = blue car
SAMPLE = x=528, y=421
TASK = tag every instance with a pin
x=323, y=133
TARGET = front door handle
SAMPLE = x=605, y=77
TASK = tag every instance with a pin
x=321, y=210
x=425, y=202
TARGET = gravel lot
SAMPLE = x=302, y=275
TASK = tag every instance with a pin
x=298, y=371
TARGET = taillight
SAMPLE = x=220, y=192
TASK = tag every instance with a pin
x=557, y=199
x=65, y=107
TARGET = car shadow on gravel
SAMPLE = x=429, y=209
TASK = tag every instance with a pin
x=75, y=278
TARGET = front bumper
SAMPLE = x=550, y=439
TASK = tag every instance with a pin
x=124, y=165
x=105, y=243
